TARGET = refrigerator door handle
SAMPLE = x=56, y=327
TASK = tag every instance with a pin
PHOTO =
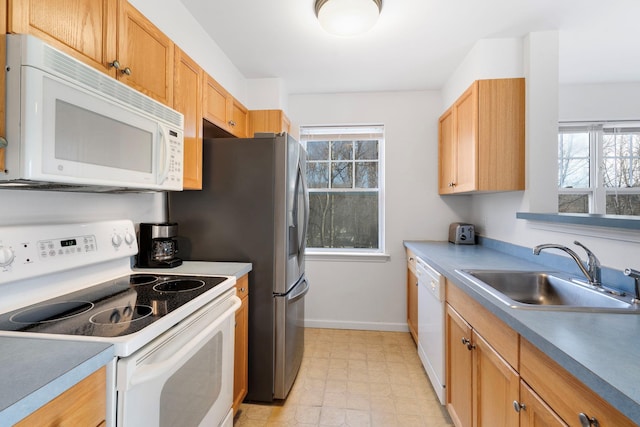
x=294, y=296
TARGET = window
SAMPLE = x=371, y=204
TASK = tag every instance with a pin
x=599, y=169
x=345, y=180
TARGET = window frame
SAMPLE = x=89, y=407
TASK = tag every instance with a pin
x=352, y=132
x=597, y=192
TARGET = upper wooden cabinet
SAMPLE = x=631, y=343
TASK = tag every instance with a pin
x=223, y=110
x=145, y=55
x=85, y=29
x=274, y=121
x=187, y=99
x=481, y=139
x=110, y=35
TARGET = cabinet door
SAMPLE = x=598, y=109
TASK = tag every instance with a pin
x=459, y=369
x=496, y=387
x=412, y=304
x=241, y=355
x=446, y=153
x=535, y=412
x=239, y=118
x=146, y=53
x=215, y=102
x=465, y=111
x=85, y=29
x=187, y=99
x=268, y=121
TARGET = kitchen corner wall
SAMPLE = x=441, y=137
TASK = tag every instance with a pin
x=372, y=294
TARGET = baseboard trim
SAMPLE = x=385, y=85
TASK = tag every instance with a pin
x=363, y=326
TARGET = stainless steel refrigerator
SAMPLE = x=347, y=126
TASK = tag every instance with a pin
x=253, y=207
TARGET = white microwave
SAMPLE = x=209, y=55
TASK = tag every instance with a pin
x=71, y=126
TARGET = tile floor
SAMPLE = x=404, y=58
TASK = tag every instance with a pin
x=354, y=378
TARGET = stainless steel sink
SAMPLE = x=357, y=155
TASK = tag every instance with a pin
x=545, y=290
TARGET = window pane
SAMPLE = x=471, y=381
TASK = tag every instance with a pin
x=573, y=203
x=343, y=220
x=318, y=175
x=318, y=150
x=623, y=204
x=366, y=150
x=367, y=175
x=573, y=160
x=342, y=150
x=621, y=159
x=341, y=175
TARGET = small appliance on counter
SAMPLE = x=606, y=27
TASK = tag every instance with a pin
x=462, y=233
x=158, y=245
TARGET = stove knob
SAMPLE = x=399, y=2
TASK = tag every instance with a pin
x=6, y=256
x=129, y=238
x=116, y=240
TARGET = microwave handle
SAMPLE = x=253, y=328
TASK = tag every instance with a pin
x=164, y=152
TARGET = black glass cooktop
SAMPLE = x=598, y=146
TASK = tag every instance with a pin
x=115, y=308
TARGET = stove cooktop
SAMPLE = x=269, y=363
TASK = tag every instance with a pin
x=115, y=308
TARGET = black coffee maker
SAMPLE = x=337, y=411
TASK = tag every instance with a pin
x=158, y=245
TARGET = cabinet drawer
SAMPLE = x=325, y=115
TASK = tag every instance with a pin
x=566, y=395
x=242, y=286
x=500, y=336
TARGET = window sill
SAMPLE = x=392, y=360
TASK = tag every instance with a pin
x=347, y=256
x=613, y=227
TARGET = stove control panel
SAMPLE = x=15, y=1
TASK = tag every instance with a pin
x=31, y=251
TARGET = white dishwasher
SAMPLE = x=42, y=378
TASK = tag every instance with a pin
x=431, y=325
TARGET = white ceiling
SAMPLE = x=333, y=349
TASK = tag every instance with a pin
x=417, y=44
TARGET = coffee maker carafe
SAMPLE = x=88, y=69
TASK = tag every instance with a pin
x=158, y=246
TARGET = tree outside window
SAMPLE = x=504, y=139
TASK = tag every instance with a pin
x=344, y=176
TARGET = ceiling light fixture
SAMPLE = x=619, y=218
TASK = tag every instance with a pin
x=347, y=17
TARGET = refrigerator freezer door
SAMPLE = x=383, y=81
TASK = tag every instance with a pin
x=289, y=337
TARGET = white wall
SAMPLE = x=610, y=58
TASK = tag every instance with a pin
x=604, y=101
x=372, y=295
x=495, y=214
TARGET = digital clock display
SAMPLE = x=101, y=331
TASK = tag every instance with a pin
x=67, y=243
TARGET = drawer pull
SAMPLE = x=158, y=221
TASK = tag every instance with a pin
x=467, y=342
x=243, y=289
x=518, y=406
x=586, y=421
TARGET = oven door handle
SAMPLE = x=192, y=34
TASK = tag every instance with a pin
x=151, y=371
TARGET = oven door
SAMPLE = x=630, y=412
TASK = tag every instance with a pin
x=184, y=377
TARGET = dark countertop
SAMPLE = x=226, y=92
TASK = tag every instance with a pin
x=601, y=350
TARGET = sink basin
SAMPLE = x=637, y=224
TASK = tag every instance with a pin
x=544, y=290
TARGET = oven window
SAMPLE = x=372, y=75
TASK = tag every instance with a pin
x=193, y=389
x=84, y=136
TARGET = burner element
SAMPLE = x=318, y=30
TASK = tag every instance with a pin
x=142, y=279
x=51, y=312
x=179, y=285
x=120, y=315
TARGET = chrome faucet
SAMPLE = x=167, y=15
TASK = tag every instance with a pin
x=591, y=271
x=636, y=275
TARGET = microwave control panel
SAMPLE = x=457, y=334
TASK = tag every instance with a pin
x=176, y=159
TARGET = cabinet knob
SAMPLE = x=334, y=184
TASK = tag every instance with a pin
x=467, y=342
x=586, y=421
x=243, y=289
x=126, y=71
x=115, y=64
x=518, y=406
x=232, y=123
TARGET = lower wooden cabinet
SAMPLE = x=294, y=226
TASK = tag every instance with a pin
x=241, y=357
x=480, y=384
x=496, y=378
x=84, y=404
x=412, y=296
